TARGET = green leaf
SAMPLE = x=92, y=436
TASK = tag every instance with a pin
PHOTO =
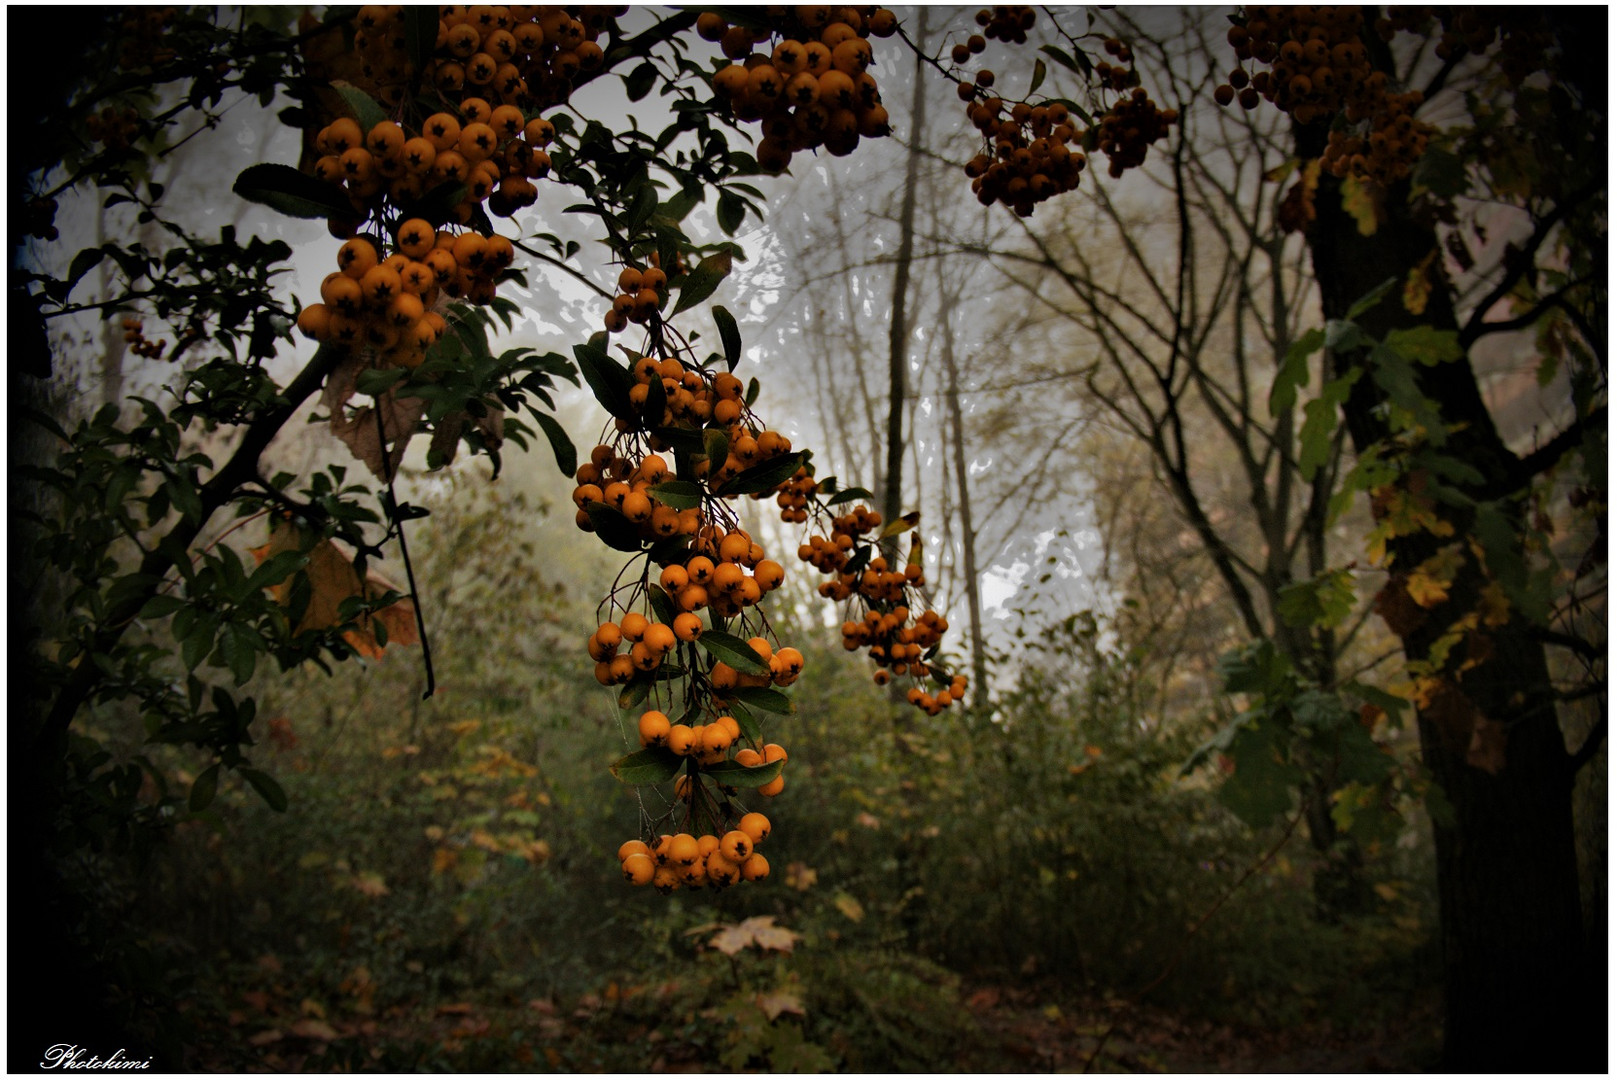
x=1324, y=600
x=1318, y=434
x=615, y=530
x=732, y=211
x=364, y=107
x=1259, y=790
x=661, y=604
x=716, y=444
x=560, y=444
x=701, y=282
x=1216, y=745
x=83, y=263
x=680, y=438
x=290, y=192
x=160, y=606
x=653, y=765
x=1426, y=344
x=636, y=691
x=203, y=789
x=750, y=729
x=376, y=381
x=849, y=495
x=267, y=787
x=680, y=494
x=1440, y=172
x=644, y=205
x=1258, y=668
x=1078, y=66
x=1391, y=704
x=1370, y=299
x=733, y=651
x=638, y=83
x=1293, y=371
x=1038, y=77
x=198, y=642
x=729, y=335
x=737, y=775
x=608, y=380
x=765, y=476
x=276, y=569
x=765, y=698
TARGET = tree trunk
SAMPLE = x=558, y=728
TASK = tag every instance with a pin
x=968, y=532
x=1521, y=993
x=898, y=332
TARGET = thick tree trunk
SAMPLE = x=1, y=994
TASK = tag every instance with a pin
x=1521, y=992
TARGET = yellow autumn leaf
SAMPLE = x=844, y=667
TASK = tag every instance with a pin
x=849, y=906
x=1493, y=605
x=1361, y=202
x=1418, y=285
x=1426, y=590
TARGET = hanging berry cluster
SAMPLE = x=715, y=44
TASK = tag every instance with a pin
x=1315, y=66
x=811, y=88
x=1031, y=150
x=139, y=344
x=1008, y=23
x=1127, y=130
x=878, y=613
x=694, y=861
x=687, y=634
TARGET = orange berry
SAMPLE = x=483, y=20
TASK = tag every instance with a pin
x=754, y=825
x=654, y=729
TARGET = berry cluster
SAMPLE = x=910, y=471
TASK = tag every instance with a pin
x=387, y=301
x=793, y=497
x=1121, y=75
x=1317, y=69
x=1031, y=150
x=693, y=861
x=138, y=342
x=493, y=153
x=39, y=219
x=1128, y=129
x=1026, y=155
x=880, y=612
x=113, y=127
x=640, y=295
x=522, y=54
x=142, y=43
x=811, y=88
x=1008, y=23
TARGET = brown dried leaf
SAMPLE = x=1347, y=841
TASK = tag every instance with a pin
x=333, y=579
x=341, y=382
x=776, y=1003
x=358, y=431
x=310, y=1028
x=1454, y=715
x=264, y=1038
x=760, y=930
x=1487, y=749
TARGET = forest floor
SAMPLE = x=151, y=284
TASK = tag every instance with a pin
x=1027, y=1033
x=1019, y=1029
